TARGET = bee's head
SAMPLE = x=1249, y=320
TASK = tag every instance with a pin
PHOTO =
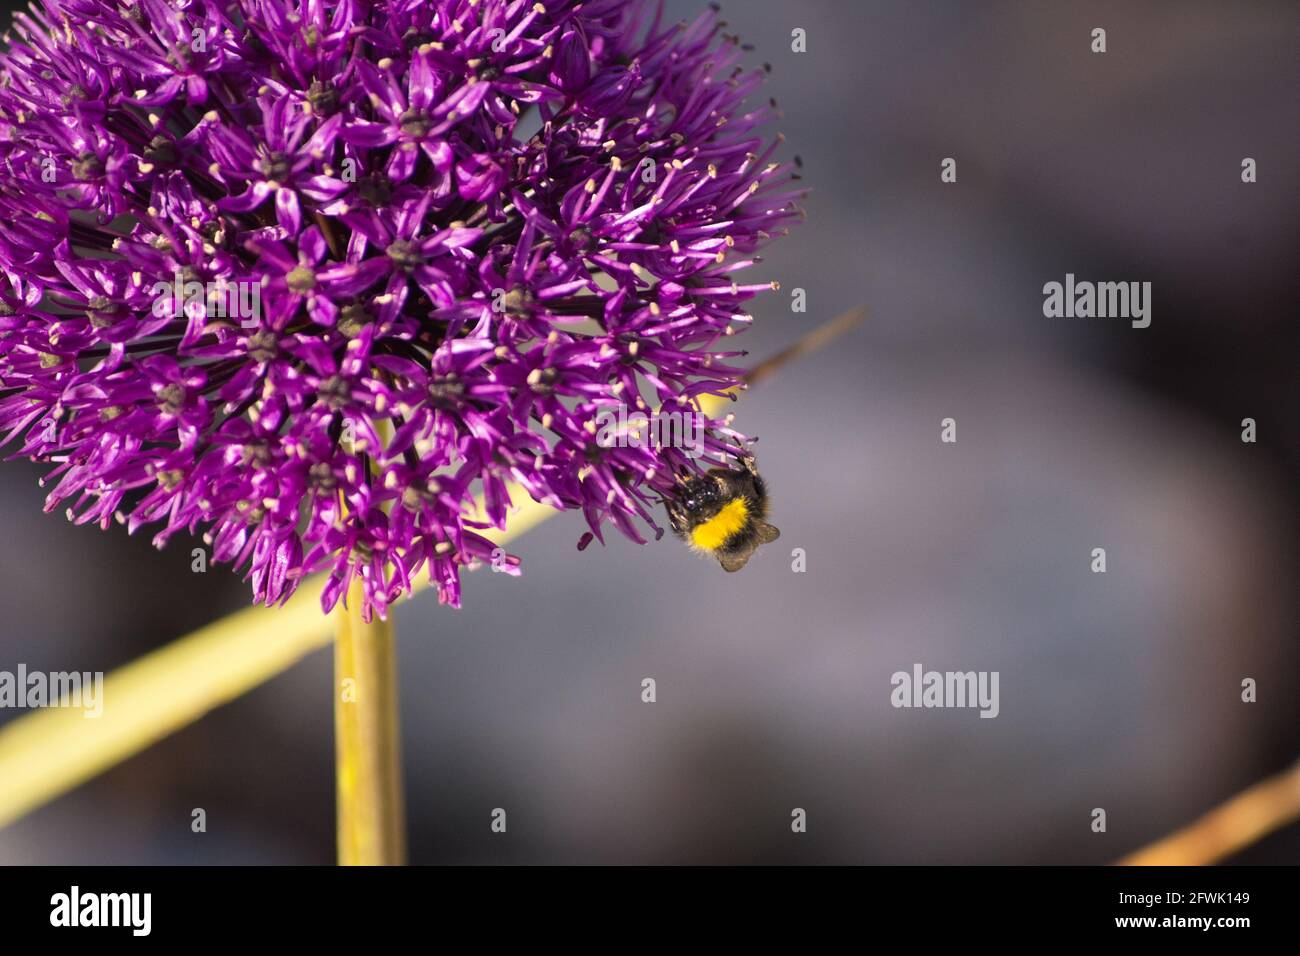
x=699, y=497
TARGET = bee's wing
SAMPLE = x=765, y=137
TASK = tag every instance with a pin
x=734, y=562
x=767, y=533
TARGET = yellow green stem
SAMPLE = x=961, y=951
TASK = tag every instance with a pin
x=367, y=739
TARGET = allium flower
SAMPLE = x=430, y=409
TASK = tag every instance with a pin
x=305, y=277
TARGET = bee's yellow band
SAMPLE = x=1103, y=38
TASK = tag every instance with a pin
x=713, y=534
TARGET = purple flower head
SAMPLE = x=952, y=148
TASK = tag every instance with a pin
x=308, y=277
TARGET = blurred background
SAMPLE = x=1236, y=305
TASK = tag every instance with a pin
x=1119, y=690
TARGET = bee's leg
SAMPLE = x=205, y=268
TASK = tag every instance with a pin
x=676, y=520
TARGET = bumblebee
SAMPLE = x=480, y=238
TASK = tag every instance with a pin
x=722, y=513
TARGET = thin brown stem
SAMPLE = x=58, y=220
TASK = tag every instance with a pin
x=814, y=340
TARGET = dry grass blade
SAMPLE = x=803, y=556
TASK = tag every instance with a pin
x=1246, y=818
